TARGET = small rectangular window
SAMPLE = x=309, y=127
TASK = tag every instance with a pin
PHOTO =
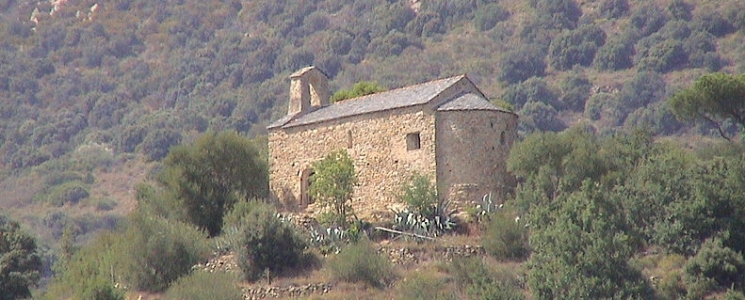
x=412, y=141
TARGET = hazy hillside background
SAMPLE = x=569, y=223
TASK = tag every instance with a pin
x=93, y=93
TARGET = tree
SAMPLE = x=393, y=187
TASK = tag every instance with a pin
x=714, y=98
x=522, y=63
x=19, y=262
x=615, y=54
x=614, y=8
x=562, y=14
x=489, y=15
x=213, y=174
x=581, y=255
x=643, y=89
x=576, y=47
x=333, y=185
x=359, y=89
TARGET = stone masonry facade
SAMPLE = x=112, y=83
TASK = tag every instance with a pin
x=445, y=129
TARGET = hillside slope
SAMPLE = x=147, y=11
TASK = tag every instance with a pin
x=90, y=90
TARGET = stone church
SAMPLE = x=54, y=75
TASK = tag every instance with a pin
x=445, y=128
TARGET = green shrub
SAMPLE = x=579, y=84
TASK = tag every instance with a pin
x=575, y=47
x=532, y=90
x=205, y=285
x=575, y=89
x=90, y=273
x=233, y=225
x=523, y=63
x=616, y=54
x=480, y=282
x=426, y=213
x=671, y=286
x=20, y=262
x=505, y=237
x=158, y=251
x=732, y=295
x=359, y=262
x=714, y=267
x=105, y=204
x=420, y=195
x=268, y=243
x=423, y=286
x=614, y=8
x=489, y=15
x=539, y=116
x=359, y=89
x=69, y=192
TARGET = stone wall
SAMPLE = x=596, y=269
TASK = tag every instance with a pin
x=472, y=149
x=378, y=148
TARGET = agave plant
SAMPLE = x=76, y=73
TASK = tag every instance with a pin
x=487, y=207
x=434, y=224
x=328, y=239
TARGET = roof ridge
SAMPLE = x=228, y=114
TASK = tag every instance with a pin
x=402, y=87
x=406, y=96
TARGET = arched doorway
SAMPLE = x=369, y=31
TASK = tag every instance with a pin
x=305, y=182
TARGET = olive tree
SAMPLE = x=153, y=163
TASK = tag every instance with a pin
x=211, y=175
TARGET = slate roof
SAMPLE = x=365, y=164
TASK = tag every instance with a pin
x=469, y=101
x=398, y=98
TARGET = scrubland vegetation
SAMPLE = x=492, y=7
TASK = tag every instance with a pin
x=621, y=193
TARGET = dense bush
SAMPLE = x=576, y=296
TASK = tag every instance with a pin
x=532, y=90
x=715, y=267
x=423, y=286
x=616, y=54
x=562, y=14
x=701, y=49
x=614, y=8
x=605, y=107
x=267, y=243
x=70, y=192
x=505, y=237
x=420, y=195
x=489, y=15
x=332, y=185
x=538, y=116
x=90, y=273
x=359, y=262
x=575, y=89
x=647, y=19
x=158, y=251
x=157, y=143
x=656, y=118
x=426, y=213
x=20, y=264
x=643, y=89
x=522, y=63
x=664, y=56
x=479, y=281
x=576, y=257
x=713, y=22
x=680, y=10
x=575, y=47
x=205, y=285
